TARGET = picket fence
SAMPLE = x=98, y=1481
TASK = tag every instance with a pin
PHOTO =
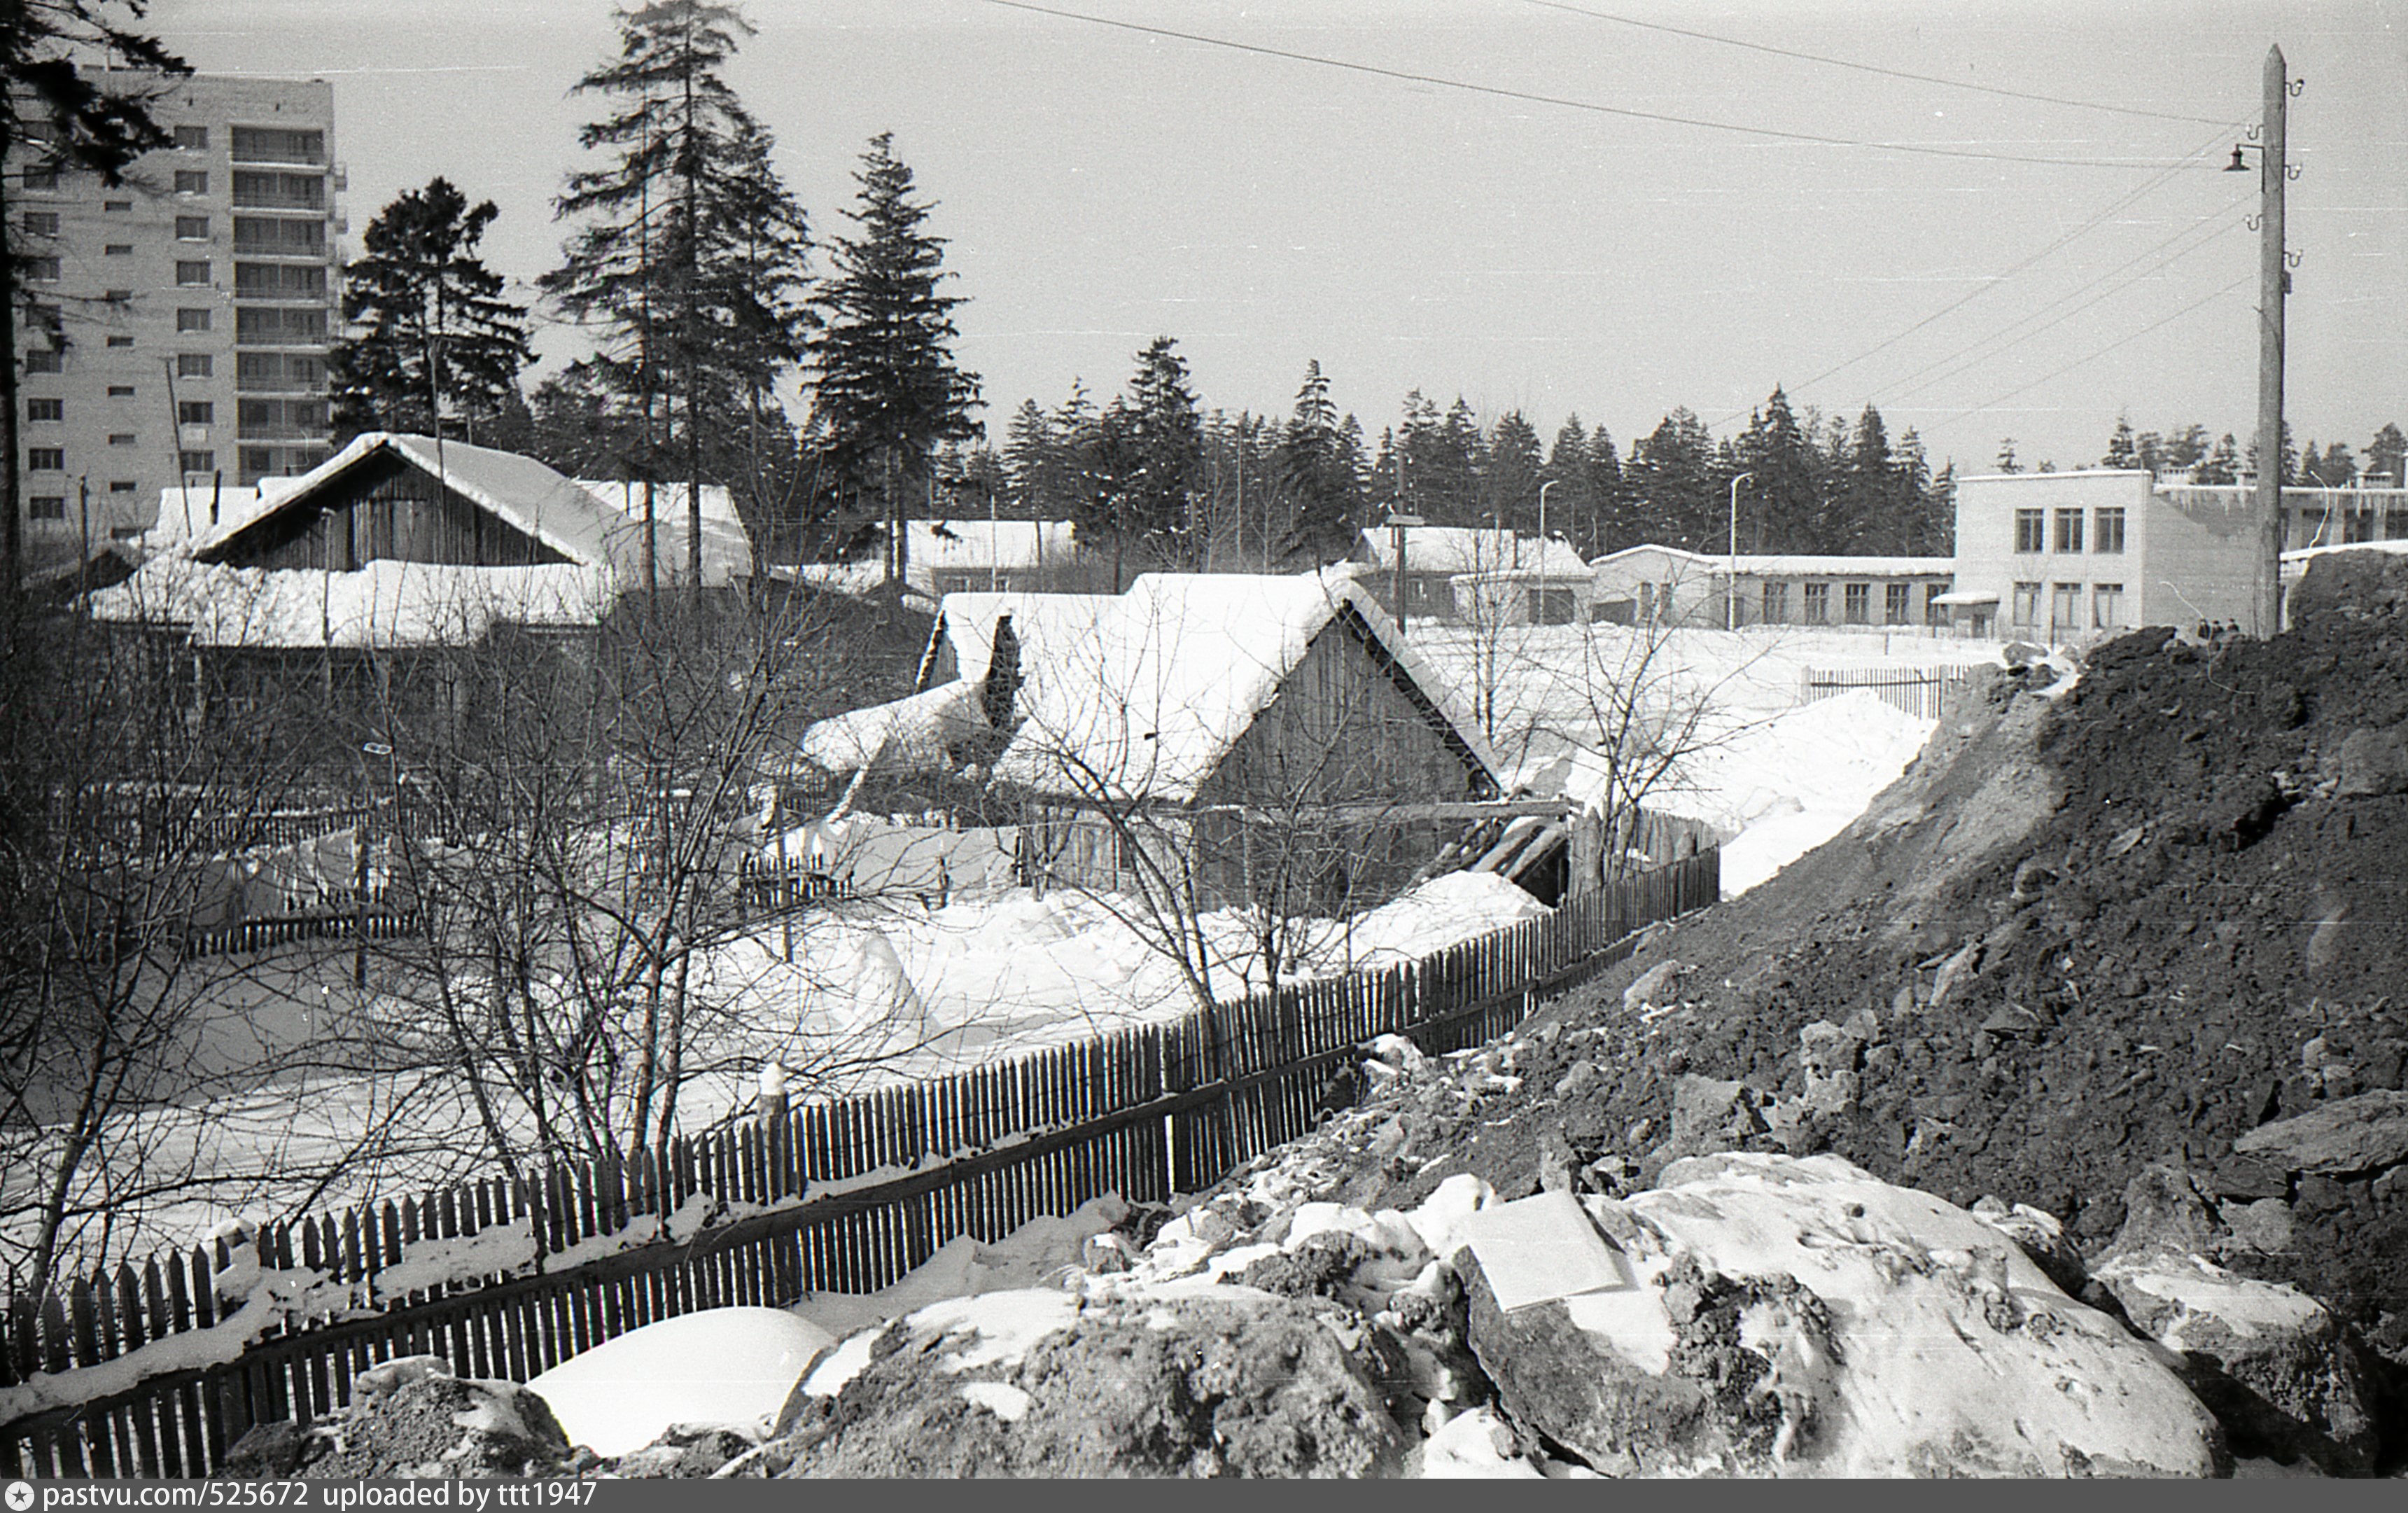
x=1918, y=691
x=157, y=1370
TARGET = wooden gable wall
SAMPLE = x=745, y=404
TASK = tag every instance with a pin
x=1346, y=726
x=383, y=509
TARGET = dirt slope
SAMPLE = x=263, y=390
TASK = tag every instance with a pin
x=2081, y=934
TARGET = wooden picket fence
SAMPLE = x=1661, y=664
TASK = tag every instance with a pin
x=1918, y=691
x=378, y=922
x=843, y=1196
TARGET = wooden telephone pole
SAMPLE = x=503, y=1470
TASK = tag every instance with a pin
x=2273, y=283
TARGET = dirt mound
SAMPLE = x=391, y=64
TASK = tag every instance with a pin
x=2089, y=930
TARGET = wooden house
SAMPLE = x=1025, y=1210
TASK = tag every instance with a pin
x=345, y=594
x=1239, y=735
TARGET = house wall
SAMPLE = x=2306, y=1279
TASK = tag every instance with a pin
x=1655, y=585
x=1340, y=730
x=2179, y=565
x=384, y=510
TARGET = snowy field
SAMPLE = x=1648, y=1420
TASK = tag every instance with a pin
x=895, y=991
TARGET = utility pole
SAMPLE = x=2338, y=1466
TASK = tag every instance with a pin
x=2273, y=283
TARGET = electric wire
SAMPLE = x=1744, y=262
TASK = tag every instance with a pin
x=1439, y=81
x=1874, y=68
x=1989, y=405
x=2207, y=229
x=2106, y=213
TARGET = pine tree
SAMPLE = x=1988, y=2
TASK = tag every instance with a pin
x=2223, y=464
x=1510, y=474
x=1613, y=530
x=99, y=122
x=1150, y=456
x=693, y=257
x=2006, y=462
x=2120, y=451
x=1866, y=517
x=1671, y=478
x=2387, y=456
x=1783, y=509
x=436, y=342
x=885, y=384
x=1321, y=477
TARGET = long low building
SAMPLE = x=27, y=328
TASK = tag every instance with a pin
x=1670, y=586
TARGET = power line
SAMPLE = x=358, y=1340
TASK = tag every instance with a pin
x=1919, y=149
x=1874, y=68
x=2115, y=208
x=1897, y=391
x=1988, y=404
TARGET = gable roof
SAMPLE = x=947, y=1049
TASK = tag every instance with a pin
x=582, y=525
x=1149, y=703
x=1465, y=548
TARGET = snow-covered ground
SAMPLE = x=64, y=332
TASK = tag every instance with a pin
x=877, y=993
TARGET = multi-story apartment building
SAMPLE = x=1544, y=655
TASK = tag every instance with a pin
x=182, y=318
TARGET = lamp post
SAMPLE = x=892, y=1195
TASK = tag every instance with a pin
x=1730, y=579
x=1542, y=517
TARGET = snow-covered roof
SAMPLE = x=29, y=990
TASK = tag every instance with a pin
x=975, y=545
x=627, y=497
x=1464, y=549
x=1047, y=625
x=1149, y=702
x=187, y=515
x=384, y=604
x=1791, y=565
x=2307, y=553
x=914, y=734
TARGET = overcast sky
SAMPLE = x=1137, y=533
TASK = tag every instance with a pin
x=1101, y=185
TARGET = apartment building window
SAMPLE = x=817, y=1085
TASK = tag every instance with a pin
x=46, y=409
x=41, y=223
x=195, y=412
x=118, y=249
x=2106, y=606
x=194, y=365
x=189, y=274
x=275, y=144
x=1776, y=603
x=2068, y=530
x=2027, y=609
x=258, y=234
x=1818, y=604
x=46, y=459
x=124, y=439
x=123, y=486
x=198, y=462
x=118, y=297
x=42, y=269
x=47, y=507
x=45, y=360
x=41, y=178
x=121, y=391
x=48, y=318
x=262, y=191
x=271, y=327
x=192, y=320
x=191, y=181
x=2108, y=531
x=277, y=419
x=193, y=138
x=271, y=371
x=120, y=342
x=257, y=461
x=279, y=280
x=1856, y=602
x=117, y=206
x=191, y=228
x=1898, y=603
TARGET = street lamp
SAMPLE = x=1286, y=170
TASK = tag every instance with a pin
x=1542, y=517
x=1730, y=581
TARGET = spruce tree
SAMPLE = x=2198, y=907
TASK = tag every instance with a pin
x=885, y=387
x=434, y=338
x=2386, y=457
x=1320, y=475
x=1149, y=461
x=693, y=256
x=2120, y=451
x=1783, y=509
x=1509, y=479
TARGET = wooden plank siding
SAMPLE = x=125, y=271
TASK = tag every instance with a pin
x=383, y=509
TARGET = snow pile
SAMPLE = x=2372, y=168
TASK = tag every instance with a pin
x=1783, y=787
x=730, y=1366
x=914, y=734
x=385, y=603
x=1038, y=1254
